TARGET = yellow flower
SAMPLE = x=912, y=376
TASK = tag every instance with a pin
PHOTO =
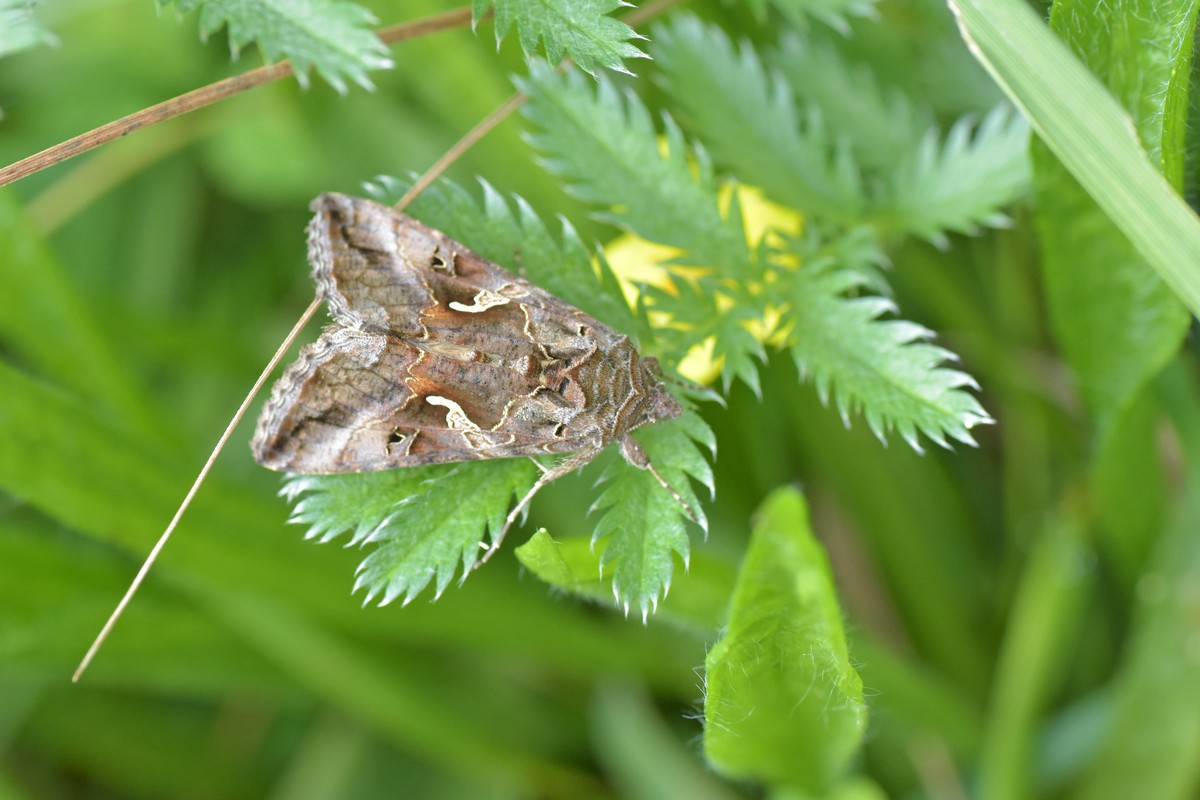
x=637, y=261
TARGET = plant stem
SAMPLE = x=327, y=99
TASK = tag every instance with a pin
x=204, y=96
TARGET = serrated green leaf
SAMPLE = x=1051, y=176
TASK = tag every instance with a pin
x=877, y=120
x=747, y=115
x=19, y=29
x=581, y=29
x=642, y=526
x=783, y=705
x=748, y=119
x=604, y=144
x=424, y=521
x=1115, y=320
x=962, y=183
x=333, y=36
x=883, y=368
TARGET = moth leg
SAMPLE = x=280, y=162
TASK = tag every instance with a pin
x=567, y=465
x=636, y=456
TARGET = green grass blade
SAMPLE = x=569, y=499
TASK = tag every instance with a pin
x=49, y=327
x=640, y=752
x=1043, y=626
x=1152, y=747
x=1115, y=320
x=1089, y=132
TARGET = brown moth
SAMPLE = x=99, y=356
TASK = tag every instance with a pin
x=438, y=355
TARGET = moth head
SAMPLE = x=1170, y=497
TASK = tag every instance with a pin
x=660, y=404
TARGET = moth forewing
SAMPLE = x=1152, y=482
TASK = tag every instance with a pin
x=438, y=355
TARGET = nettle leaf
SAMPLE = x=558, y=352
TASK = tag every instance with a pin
x=424, y=521
x=603, y=143
x=332, y=36
x=884, y=368
x=878, y=121
x=810, y=159
x=642, y=526
x=962, y=183
x=783, y=704
x=581, y=29
x=748, y=118
x=19, y=30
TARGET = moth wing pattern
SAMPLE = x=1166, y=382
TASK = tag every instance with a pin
x=378, y=267
x=440, y=355
x=343, y=407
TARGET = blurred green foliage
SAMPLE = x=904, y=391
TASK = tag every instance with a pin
x=1022, y=616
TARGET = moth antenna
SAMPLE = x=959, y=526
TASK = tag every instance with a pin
x=187, y=500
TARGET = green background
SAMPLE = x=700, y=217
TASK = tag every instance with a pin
x=1024, y=616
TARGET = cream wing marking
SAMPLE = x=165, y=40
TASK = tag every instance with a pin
x=456, y=418
x=483, y=301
